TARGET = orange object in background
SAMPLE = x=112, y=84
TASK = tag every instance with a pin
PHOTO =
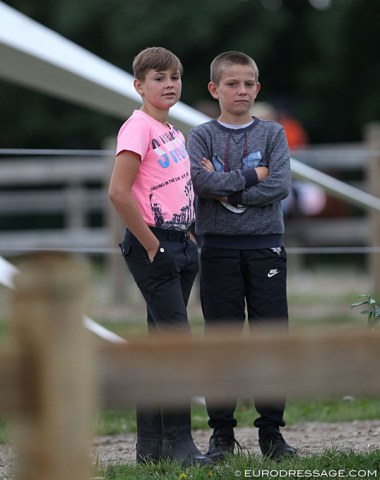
x=295, y=133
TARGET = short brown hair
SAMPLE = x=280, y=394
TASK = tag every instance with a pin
x=230, y=58
x=155, y=58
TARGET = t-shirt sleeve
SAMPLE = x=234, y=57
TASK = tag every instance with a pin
x=133, y=136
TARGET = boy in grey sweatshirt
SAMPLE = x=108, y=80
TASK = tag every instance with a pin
x=240, y=168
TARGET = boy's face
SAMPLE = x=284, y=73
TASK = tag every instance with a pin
x=236, y=91
x=160, y=89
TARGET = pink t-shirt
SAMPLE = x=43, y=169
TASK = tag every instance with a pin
x=163, y=188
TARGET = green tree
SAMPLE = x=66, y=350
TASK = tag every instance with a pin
x=321, y=64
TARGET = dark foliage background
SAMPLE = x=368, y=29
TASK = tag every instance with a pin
x=320, y=64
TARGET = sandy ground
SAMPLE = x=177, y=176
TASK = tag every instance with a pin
x=309, y=438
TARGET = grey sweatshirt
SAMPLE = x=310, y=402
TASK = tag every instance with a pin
x=263, y=143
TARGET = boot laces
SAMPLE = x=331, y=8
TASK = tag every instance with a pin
x=276, y=437
x=226, y=443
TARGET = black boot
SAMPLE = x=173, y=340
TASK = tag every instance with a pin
x=273, y=445
x=222, y=443
x=149, y=435
x=178, y=444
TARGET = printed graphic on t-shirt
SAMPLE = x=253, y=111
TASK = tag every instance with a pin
x=176, y=151
x=179, y=220
x=170, y=151
x=163, y=188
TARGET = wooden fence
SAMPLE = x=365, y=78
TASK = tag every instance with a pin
x=74, y=188
x=70, y=188
x=53, y=374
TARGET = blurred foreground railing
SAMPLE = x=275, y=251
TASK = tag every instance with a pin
x=53, y=374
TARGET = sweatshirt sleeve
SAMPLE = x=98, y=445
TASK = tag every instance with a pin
x=276, y=186
x=211, y=184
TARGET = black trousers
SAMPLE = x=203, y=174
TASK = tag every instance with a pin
x=236, y=284
x=166, y=283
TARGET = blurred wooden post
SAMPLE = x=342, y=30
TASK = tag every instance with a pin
x=53, y=428
x=372, y=137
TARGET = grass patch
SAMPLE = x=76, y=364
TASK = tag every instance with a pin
x=333, y=410
x=330, y=464
x=114, y=422
x=323, y=410
x=5, y=431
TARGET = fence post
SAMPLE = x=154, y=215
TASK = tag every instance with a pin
x=372, y=138
x=75, y=214
x=53, y=428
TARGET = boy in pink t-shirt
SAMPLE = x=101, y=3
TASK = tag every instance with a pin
x=152, y=192
x=162, y=187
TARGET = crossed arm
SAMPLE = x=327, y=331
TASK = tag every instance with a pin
x=262, y=172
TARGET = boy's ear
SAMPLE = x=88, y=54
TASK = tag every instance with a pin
x=138, y=86
x=213, y=89
x=258, y=87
